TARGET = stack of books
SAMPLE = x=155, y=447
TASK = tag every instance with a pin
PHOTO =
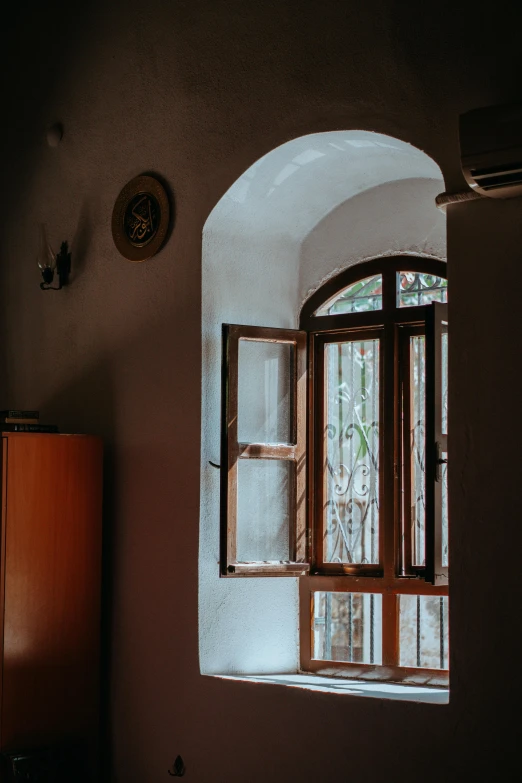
x=23, y=421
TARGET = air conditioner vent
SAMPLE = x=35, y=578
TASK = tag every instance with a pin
x=500, y=180
x=491, y=150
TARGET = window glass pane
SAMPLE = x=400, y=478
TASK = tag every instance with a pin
x=417, y=446
x=424, y=631
x=416, y=288
x=264, y=392
x=444, y=352
x=347, y=627
x=351, y=448
x=357, y=298
x=264, y=506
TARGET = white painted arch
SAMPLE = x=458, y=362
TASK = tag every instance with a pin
x=304, y=212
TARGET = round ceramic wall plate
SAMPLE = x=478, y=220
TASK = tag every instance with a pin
x=140, y=218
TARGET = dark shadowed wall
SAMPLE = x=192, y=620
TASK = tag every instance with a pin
x=196, y=90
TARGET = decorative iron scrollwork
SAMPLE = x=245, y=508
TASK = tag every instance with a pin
x=352, y=453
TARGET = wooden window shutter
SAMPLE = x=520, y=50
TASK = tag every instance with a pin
x=263, y=452
x=437, y=564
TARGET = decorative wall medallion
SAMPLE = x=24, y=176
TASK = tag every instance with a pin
x=140, y=218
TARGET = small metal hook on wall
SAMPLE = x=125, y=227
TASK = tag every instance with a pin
x=178, y=768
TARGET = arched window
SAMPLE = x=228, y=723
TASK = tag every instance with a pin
x=334, y=460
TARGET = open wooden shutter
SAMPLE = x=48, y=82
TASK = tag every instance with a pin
x=263, y=452
x=437, y=563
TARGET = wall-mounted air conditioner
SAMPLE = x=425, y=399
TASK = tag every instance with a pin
x=491, y=150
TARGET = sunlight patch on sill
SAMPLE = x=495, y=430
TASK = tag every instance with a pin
x=375, y=690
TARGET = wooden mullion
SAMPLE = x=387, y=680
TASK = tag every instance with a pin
x=268, y=569
x=435, y=572
x=390, y=472
x=408, y=567
x=342, y=321
x=229, y=449
x=391, y=482
x=367, y=320
x=430, y=457
x=299, y=531
x=388, y=457
x=350, y=569
x=352, y=335
x=389, y=291
x=397, y=452
x=261, y=334
x=373, y=584
x=311, y=467
x=405, y=461
x=319, y=405
x=410, y=316
x=266, y=451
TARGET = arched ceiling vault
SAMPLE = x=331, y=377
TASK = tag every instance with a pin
x=295, y=186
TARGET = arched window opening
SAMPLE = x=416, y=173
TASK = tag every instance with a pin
x=306, y=211
x=334, y=457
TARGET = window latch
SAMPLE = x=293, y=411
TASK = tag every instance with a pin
x=439, y=461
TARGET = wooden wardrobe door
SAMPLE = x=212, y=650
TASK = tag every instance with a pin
x=51, y=624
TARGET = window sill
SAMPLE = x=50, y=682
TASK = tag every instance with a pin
x=341, y=686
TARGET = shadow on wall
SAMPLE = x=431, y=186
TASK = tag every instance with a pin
x=80, y=243
x=150, y=469
x=28, y=30
x=87, y=405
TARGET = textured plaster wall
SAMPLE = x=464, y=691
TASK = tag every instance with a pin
x=246, y=625
x=397, y=217
x=197, y=91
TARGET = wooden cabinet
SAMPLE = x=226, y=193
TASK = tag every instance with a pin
x=50, y=578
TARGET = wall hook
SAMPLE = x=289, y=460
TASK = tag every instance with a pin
x=178, y=768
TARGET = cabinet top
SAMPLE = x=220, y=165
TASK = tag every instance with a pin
x=45, y=435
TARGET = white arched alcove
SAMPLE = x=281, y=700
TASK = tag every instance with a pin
x=302, y=213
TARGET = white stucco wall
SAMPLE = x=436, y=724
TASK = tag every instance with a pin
x=246, y=625
x=305, y=211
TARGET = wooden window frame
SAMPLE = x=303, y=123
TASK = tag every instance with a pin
x=318, y=341
x=395, y=575
x=232, y=451
x=436, y=444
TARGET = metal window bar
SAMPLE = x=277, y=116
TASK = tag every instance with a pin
x=365, y=292
x=418, y=287
x=441, y=623
x=328, y=626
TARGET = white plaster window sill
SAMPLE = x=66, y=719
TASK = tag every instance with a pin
x=340, y=686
